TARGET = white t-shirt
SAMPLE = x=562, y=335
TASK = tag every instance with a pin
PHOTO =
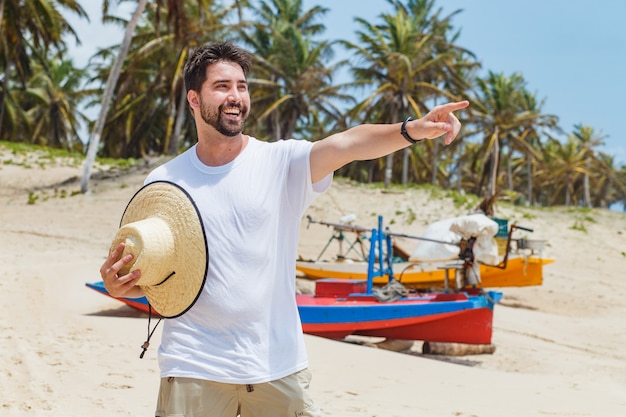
x=245, y=327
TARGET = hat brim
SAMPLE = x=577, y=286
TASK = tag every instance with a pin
x=176, y=294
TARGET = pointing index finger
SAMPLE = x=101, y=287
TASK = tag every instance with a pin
x=454, y=106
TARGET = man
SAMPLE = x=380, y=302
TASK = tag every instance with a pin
x=240, y=349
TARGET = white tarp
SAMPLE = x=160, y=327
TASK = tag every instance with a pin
x=426, y=251
x=452, y=230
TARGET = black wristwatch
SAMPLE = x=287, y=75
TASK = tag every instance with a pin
x=405, y=134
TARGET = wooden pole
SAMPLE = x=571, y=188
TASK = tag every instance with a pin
x=457, y=349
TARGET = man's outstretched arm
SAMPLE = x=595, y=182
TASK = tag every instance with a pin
x=371, y=141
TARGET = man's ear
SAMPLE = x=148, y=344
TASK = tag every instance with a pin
x=192, y=98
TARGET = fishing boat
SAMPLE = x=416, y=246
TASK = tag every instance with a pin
x=342, y=307
x=521, y=271
x=521, y=265
x=456, y=317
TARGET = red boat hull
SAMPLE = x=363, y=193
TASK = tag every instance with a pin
x=466, y=326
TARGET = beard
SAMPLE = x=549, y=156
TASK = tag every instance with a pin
x=213, y=117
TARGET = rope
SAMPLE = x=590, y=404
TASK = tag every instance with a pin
x=393, y=291
x=146, y=344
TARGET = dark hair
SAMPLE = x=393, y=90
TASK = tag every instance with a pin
x=205, y=55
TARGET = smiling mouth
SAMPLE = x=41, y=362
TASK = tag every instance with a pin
x=232, y=111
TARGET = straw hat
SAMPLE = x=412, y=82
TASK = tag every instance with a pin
x=161, y=227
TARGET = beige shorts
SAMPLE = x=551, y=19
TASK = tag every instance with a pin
x=285, y=397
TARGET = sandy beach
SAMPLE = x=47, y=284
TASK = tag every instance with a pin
x=66, y=350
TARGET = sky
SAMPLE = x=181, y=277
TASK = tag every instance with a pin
x=571, y=53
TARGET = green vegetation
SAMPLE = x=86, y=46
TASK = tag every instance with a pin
x=32, y=198
x=579, y=225
x=27, y=156
x=33, y=156
x=403, y=61
x=582, y=216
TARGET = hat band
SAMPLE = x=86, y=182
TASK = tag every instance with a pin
x=166, y=278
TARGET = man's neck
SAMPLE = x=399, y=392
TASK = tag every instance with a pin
x=218, y=150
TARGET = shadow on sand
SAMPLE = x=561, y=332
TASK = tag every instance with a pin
x=122, y=311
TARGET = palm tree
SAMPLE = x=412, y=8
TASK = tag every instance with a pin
x=108, y=93
x=620, y=187
x=503, y=111
x=402, y=59
x=191, y=23
x=53, y=97
x=528, y=140
x=608, y=185
x=588, y=139
x=29, y=28
x=292, y=87
x=452, y=70
x=149, y=113
x=15, y=122
x=563, y=165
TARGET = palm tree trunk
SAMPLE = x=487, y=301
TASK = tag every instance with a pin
x=433, y=178
x=493, y=184
x=108, y=94
x=277, y=132
x=169, y=127
x=529, y=200
x=7, y=64
x=239, y=8
x=389, y=159
x=405, y=165
x=1, y=13
x=603, y=195
x=587, y=191
x=509, y=173
x=567, y=193
x=3, y=86
x=388, y=169
x=458, y=170
x=178, y=124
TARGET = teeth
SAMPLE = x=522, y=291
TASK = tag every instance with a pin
x=231, y=111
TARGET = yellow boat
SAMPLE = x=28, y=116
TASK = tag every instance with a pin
x=520, y=268
x=520, y=271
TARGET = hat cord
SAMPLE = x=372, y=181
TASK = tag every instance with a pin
x=146, y=344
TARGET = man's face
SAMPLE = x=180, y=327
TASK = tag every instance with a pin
x=224, y=99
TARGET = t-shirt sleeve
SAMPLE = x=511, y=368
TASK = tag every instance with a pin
x=302, y=190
